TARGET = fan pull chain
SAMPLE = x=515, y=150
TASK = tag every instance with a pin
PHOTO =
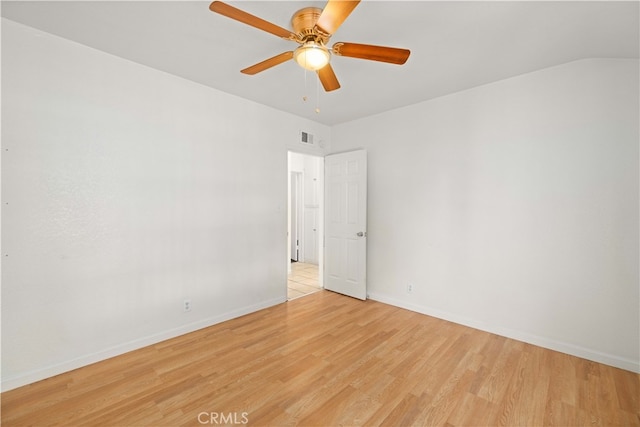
x=304, y=97
x=317, y=96
x=306, y=88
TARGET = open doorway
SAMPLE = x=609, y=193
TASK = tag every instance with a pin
x=305, y=224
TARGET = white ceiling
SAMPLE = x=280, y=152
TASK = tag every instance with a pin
x=454, y=45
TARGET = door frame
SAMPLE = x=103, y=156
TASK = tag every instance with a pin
x=321, y=204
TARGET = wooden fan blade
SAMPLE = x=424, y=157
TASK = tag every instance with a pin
x=392, y=55
x=268, y=63
x=334, y=14
x=328, y=78
x=247, y=18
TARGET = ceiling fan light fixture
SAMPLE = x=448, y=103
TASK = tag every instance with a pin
x=311, y=56
x=312, y=28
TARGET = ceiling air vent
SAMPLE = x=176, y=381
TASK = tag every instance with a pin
x=306, y=138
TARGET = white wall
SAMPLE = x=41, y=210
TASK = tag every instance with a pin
x=126, y=190
x=513, y=207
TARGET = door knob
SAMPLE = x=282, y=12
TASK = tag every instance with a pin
x=360, y=234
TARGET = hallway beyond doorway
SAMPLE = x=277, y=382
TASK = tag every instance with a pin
x=303, y=280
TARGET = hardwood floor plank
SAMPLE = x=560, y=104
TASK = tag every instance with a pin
x=476, y=411
x=502, y=370
x=512, y=408
x=627, y=389
x=326, y=359
x=403, y=412
x=331, y=411
x=440, y=406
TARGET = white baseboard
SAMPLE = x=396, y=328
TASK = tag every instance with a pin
x=50, y=371
x=563, y=347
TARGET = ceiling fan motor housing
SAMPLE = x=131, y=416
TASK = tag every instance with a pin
x=303, y=23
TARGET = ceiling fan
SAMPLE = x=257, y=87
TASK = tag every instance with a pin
x=312, y=29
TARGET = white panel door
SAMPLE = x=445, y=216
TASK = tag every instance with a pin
x=346, y=223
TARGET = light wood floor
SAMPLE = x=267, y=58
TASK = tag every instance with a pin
x=303, y=280
x=331, y=360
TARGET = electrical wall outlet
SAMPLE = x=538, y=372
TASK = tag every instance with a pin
x=409, y=288
x=186, y=306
